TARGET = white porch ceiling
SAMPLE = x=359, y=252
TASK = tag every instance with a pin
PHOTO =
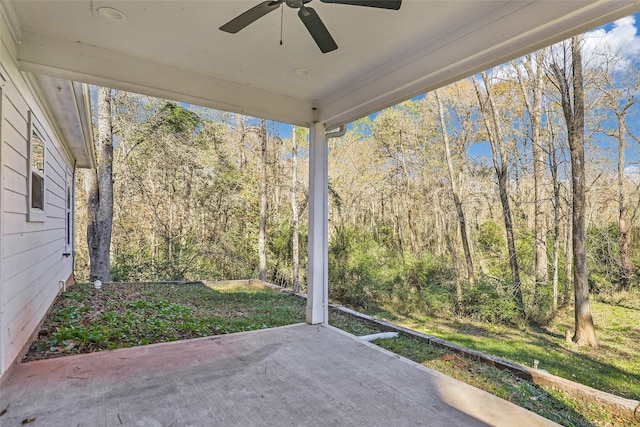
x=174, y=49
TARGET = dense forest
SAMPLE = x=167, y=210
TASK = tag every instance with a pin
x=458, y=202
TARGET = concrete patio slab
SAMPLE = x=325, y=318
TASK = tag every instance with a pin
x=299, y=375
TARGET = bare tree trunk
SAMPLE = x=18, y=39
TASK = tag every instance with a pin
x=294, y=210
x=573, y=109
x=534, y=106
x=556, y=259
x=241, y=133
x=624, y=224
x=93, y=207
x=585, y=331
x=262, y=252
x=553, y=166
x=454, y=261
x=100, y=195
x=568, y=261
x=442, y=221
x=496, y=141
x=456, y=196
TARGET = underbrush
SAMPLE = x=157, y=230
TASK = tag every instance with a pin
x=627, y=299
x=420, y=286
x=490, y=303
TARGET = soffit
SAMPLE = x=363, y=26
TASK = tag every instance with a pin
x=174, y=49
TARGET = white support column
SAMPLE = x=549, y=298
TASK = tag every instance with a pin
x=318, y=282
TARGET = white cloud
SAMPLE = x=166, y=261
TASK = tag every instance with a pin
x=632, y=173
x=622, y=37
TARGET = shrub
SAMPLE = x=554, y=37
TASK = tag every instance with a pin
x=428, y=270
x=540, y=312
x=486, y=302
x=490, y=238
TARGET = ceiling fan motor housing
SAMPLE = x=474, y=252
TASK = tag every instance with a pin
x=296, y=4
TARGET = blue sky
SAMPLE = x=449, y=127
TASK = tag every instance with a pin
x=621, y=34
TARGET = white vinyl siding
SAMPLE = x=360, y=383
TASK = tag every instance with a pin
x=33, y=256
x=3, y=364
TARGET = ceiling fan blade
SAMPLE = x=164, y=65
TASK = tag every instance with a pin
x=382, y=4
x=317, y=29
x=251, y=16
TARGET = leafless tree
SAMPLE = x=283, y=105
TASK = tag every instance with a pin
x=262, y=250
x=619, y=85
x=99, y=187
x=294, y=209
x=499, y=156
x=455, y=193
x=531, y=88
x=570, y=84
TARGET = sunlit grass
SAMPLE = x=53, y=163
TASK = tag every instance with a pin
x=614, y=367
x=498, y=382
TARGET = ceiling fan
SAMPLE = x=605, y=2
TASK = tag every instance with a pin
x=307, y=15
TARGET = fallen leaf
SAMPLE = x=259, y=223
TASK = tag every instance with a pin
x=455, y=360
x=28, y=420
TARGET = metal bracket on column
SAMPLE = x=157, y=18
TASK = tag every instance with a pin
x=336, y=133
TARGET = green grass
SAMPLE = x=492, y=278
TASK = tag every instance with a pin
x=614, y=367
x=351, y=324
x=551, y=404
x=84, y=320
